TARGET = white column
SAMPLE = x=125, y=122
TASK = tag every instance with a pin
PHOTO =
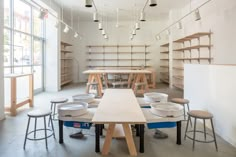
x=1, y=63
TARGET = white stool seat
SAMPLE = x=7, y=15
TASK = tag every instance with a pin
x=39, y=113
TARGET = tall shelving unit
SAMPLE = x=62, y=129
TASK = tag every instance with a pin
x=164, y=73
x=66, y=63
x=192, y=49
x=117, y=56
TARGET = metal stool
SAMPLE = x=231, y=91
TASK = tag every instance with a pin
x=182, y=101
x=93, y=85
x=39, y=114
x=140, y=87
x=54, y=102
x=204, y=115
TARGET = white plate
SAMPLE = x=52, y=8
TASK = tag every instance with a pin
x=155, y=97
x=167, y=109
x=72, y=109
x=84, y=98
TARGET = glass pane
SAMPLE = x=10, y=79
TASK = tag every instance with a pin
x=22, y=16
x=7, y=47
x=38, y=24
x=38, y=77
x=7, y=71
x=7, y=17
x=37, y=60
x=22, y=49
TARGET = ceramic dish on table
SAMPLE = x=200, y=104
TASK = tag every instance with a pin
x=88, y=98
x=72, y=109
x=166, y=109
x=155, y=97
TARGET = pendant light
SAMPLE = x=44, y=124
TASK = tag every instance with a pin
x=88, y=3
x=95, y=17
x=142, y=16
x=197, y=15
x=66, y=29
x=152, y=3
x=137, y=26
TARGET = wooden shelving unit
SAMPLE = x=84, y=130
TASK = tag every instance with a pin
x=164, y=74
x=192, y=49
x=66, y=64
x=127, y=56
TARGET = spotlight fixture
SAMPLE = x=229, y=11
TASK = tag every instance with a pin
x=43, y=13
x=76, y=35
x=100, y=26
x=197, y=15
x=88, y=3
x=95, y=17
x=103, y=32
x=152, y=3
x=105, y=36
x=158, y=37
x=134, y=32
x=168, y=32
x=179, y=25
x=142, y=16
x=131, y=37
x=66, y=29
x=57, y=23
x=137, y=26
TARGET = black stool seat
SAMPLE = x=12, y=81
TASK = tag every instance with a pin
x=208, y=137
x=48, y=132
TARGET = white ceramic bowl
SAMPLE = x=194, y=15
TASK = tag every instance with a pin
x=72, y=109
x=155, y=97
x=88, y=98
x=166, y=109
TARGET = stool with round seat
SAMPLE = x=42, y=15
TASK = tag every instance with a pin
x=203, y=115
x=39, y=114
x=54, y=103
x=183, y=102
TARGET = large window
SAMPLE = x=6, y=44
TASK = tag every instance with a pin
x=23, y=40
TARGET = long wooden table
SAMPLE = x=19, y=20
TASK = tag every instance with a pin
x=13, y=82
x=95, y=76
x=119, y=106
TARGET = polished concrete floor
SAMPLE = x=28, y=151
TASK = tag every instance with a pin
x=12, y=131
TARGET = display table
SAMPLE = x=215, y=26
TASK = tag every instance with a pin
x=137, y=75
x=119, y=106
x=13, y=100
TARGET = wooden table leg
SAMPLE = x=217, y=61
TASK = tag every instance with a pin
x=98, y=80
x=129, y=140
x=144, y=78
x=130, y=80
x=13, y=97
x=178, y=133
x=31, y=90
x=107, y=142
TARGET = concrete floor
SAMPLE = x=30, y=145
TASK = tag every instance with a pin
x=12, y=131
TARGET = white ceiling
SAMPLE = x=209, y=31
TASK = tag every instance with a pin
x=127, y=9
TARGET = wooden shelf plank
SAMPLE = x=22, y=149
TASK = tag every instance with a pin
x=165, y=45
x=193, y=36
x=193, y=47
x=66, y=51
x=178, y=77
x=115, y=66
x=66, y=58
x=165, y=80
x=180, y=86
x=178, y=68
x=164, y=66
x=65, y=82
x=164, y=59
x=65, y=44
x=118, y=46
x=164, y=52
x=202, y=58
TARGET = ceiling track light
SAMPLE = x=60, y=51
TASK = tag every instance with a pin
x=134, y=32
x=100, y=26
x=66, y=29
x=137, y=26
x=158, y=37
x=76, y=35
x=95, y=17
x=88, y=3
x=103, y=32
x=167, y=32
x=179, y=25
x=43, y=13
x=142, y=16
x=152, y=3
x=131, y=37
x=197, y=15
x=105, y=36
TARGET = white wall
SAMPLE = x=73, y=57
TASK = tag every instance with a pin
x=1, y=63
x=220, y=21
x=212, y=88
x=120, y=36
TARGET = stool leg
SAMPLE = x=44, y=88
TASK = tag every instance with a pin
x=190, y=118
x=204, y=126
x=194, y=132
x=45, y=130
x=186, y=128
x=54, y=110
x=214, y=135
x=35, y=127
x=51, y=110
x=50, y=120
x=26, y=134
x=184, y=113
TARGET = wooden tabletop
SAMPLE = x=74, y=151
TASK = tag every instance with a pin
x=16, y=75
x=119, y=106
x=116, y=71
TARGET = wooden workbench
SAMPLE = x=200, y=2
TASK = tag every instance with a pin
x=119, y=106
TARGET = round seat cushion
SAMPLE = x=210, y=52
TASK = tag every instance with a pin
x=59, y=100
x=39, y=113
x=200, y=114
x=180, y=101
